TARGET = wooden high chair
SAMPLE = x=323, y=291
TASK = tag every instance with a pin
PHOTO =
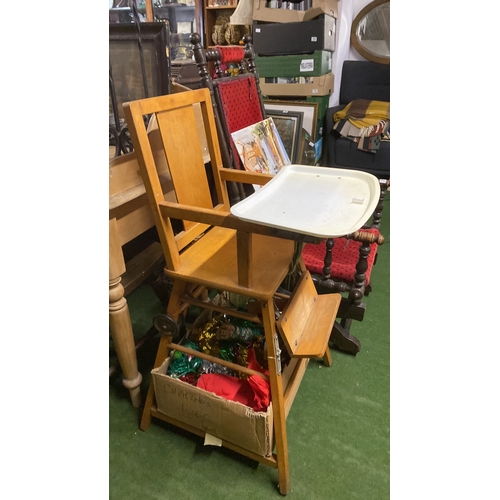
x=218, y=251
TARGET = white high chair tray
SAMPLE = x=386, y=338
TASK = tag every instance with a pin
x=318, y=201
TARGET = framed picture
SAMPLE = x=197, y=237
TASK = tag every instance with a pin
x=289, y=126
x=127, y=82
x=309, y=110
x=260, y=147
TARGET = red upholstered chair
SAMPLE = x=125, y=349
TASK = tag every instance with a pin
x=341, y=264
x=236, y=96
x=345, y=265
x=343, y=254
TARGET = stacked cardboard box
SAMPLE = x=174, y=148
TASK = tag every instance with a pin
x=294, y=45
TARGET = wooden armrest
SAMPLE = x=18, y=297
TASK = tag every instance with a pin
x=245, y=177
x=222, y=218
x=366, y=237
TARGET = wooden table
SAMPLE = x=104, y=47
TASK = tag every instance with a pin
x=130, y=216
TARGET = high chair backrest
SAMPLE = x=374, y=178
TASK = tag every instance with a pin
x=186, y=126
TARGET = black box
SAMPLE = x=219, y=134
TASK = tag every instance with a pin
x=275, y=39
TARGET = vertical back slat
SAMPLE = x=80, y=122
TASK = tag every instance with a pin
x=185, y=156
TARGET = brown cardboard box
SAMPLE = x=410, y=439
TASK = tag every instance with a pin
x=317, y=86
x=226, y=420
x=263, y=13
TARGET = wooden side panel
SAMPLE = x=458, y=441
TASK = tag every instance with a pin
x=116, y=260
x=124, y=174
x=293, y=321
x=134, y=112
x=307, y=321
x=185, y=156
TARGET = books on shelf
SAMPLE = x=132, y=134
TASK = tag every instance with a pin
x=260, y=147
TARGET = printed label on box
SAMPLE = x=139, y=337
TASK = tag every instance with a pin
x=307, y=65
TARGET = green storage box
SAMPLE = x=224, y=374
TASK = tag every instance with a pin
x=315, y=64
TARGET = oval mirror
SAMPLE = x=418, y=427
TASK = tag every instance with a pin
x=370, y=34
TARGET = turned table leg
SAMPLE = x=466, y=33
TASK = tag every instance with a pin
x=119, y=318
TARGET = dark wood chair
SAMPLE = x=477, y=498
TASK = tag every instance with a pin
x=339, y=264
x=236, y=96
x=345, y=265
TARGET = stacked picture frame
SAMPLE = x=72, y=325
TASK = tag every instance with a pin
x=297, y=124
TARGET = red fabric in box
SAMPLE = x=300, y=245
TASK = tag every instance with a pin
x=240, y=102
x=345, y=255
x=253, y=392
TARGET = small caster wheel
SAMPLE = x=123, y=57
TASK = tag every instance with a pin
x=167, y=326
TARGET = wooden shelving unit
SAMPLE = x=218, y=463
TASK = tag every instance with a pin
x=212, y=9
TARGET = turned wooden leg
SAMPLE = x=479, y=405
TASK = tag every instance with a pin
x=119, y=319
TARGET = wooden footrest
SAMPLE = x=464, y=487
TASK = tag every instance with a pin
x=307, y=320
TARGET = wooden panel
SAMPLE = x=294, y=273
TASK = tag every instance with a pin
x=319, y=328
x=134, y=112
x=135, y=222
x=141, y=266
x=293, y=321
x=133, y=212
x=184, y=155
x=244, y=252
x=293, y=381
x=124, y=174
x=307, y=319
x=116, y=260
x=271, y=259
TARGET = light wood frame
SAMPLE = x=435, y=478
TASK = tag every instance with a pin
x=363, y=51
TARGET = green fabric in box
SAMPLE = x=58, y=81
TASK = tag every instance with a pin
x=315, y=64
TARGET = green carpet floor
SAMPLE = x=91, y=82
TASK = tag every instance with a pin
x=338, y=427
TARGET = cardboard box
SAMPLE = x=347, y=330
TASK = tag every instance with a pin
x=315, y=64
x=226, y=420
x=263, y=13
x=275, y=39
x=315, y=86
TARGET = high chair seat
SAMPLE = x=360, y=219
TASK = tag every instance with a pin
x=270, y=263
